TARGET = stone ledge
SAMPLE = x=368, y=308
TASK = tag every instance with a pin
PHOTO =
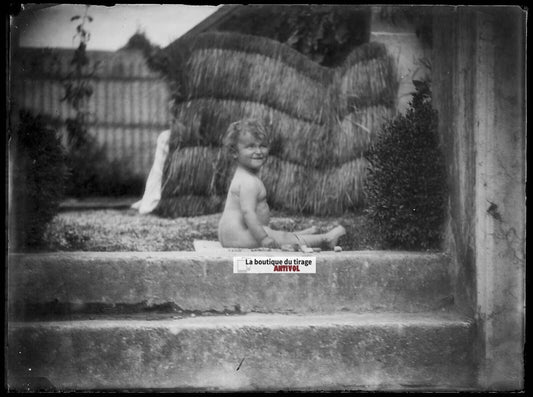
x=272, y=352
x=345, y=281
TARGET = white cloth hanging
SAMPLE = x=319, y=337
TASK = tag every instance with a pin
x=152, y=191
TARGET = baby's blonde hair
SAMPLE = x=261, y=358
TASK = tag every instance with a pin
x=253, y=126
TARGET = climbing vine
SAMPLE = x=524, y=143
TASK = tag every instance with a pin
x=83, y=152
x=90, y=171
x=78, y=89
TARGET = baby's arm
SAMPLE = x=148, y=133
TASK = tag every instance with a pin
x=249, y=191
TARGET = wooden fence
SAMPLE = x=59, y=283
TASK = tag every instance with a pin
x=129, y=105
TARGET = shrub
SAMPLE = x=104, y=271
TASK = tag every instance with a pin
x=38, y=175
x=91, y=173
x=85, y=159
x=405, y=188
x=117, y=179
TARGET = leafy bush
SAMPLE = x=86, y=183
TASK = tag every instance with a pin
x=38, y=176
x=116, y=179
x=85, y=159
x=91, y=173
x=405, y=188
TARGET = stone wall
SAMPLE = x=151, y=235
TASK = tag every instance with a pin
x=479, y=80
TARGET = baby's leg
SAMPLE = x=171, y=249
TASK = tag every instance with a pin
x=311, y=240
x=309, y=230
x=283, y=237
x=334, y=235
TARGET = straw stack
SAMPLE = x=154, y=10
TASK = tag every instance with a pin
x=369, y=82
x=357, y=131
x=320, y=122
x=260, y=79
x=190, y=170
x=286, y=184
x=189, y=205
x=327, y=192
x=179, y=51
x=207, y=119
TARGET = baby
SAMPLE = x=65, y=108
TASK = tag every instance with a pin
x=244, y=222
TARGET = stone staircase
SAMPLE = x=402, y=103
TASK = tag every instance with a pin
x=183, y=321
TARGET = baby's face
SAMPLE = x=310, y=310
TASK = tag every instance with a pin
x=251, y=152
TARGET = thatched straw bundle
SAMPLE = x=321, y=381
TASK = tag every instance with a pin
x=357, y=131
x=206, y=121
x=336, y=190
x=369, y=82
x=323, y=192
x=189, y=205
x=197, y=170
x=180, y=50
x=297, y=141
x=202, y=173
x=189, y=170
x=320, y=122
x=285, y=183
x=229, y=74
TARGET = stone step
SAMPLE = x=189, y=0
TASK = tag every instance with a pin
x=341, y=351
x=359, y=281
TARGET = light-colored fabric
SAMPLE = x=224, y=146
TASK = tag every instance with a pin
x=152, y=191
x=208, y=245
x=212, y=246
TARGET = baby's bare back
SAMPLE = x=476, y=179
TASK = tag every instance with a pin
x=232, y=229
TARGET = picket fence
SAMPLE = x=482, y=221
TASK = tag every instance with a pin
x=129, y=105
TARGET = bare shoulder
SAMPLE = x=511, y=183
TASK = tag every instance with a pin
x=246, y=181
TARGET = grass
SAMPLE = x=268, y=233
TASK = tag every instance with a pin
x=126, y=230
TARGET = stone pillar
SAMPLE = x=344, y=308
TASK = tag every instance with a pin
x=479, y=78
x=500, y=195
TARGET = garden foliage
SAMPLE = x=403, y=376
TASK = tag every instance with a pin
x=91, y=173
x=405, y=188
x=324, y=33
x=38, y=177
